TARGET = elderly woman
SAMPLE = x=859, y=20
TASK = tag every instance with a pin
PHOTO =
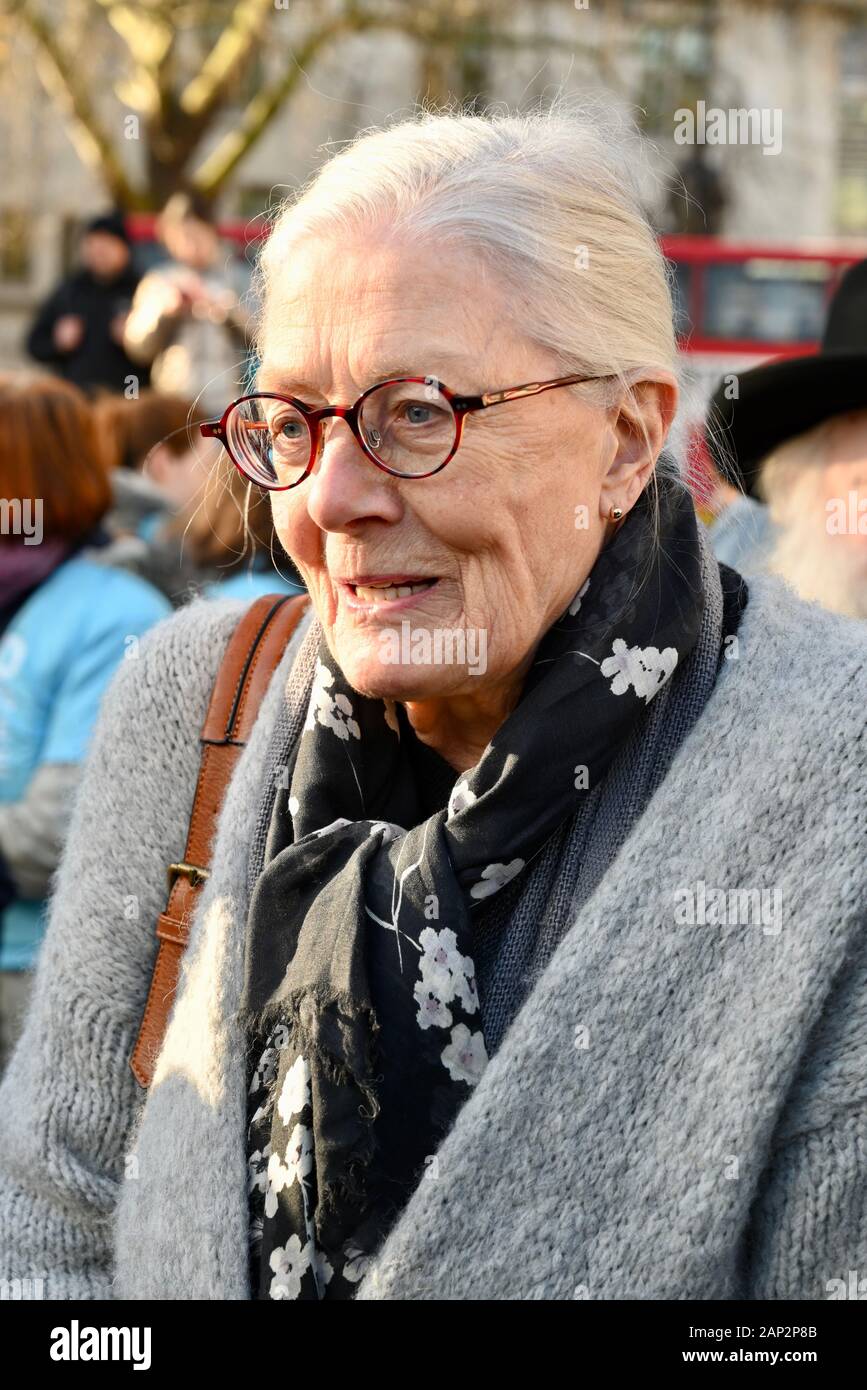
x=529, y=962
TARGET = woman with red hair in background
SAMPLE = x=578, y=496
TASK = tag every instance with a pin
x=66, y=622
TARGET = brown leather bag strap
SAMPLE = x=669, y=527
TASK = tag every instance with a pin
x=252, y=656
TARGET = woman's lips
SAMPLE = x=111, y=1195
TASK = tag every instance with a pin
x=360, y=597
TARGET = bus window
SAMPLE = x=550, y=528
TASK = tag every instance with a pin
x=766, y=301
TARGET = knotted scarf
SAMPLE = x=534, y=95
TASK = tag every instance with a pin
x=359, y=968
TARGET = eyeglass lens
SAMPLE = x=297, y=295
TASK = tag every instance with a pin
x=409, y=426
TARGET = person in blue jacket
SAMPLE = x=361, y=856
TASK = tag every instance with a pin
x=67, y=620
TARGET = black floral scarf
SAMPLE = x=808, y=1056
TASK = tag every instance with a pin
x=359, y=978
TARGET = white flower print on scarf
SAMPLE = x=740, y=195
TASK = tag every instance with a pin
x=257, y=1165
x=266, y=1067
x=299, y=1154
x=495, y=877
x=460, y=798
x=357, y=1263
x=466, y=1056
x=289, y=1263
x=432, y=1012
x=295, y=1092
x=387, y=831
x=320, y=1266
x=576, y=602
x=445, y=975
x=299, y=1162
x=646, y=669
x=333, y=712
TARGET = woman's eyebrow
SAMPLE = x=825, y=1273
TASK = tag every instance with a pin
x=277, y=381
x=273, y=380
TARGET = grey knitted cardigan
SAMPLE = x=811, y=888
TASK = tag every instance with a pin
x=677, y=1111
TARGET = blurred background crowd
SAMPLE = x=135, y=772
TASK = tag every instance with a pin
x=143, y=146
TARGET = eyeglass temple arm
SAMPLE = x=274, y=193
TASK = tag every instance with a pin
x=213, y=429
x=514, y=393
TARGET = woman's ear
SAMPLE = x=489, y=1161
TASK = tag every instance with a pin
x=640, y=420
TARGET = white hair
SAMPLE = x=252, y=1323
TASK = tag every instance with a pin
x=549, y=198
x=818, y=569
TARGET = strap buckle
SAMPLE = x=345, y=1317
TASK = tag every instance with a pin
x=193, y=872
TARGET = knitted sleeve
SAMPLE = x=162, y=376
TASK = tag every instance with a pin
x=812, y=1224
x=809, y=1229
x=68, y=1102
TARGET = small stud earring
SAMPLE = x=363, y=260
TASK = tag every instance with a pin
x=616, y=513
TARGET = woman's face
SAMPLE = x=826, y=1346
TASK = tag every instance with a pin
x=192, y=242
x=181, y=476
x=505, y=534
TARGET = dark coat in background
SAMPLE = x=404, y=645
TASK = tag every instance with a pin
x=98, y=361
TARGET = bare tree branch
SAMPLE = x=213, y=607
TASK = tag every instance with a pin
x=179, y=112
x=92, y=142
x=257, y=115
x=148, y=37
x=235, y=44
x=259, y=112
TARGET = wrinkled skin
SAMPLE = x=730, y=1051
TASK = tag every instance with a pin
x=497, y=526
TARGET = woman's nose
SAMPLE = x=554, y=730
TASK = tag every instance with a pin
x=345, y=486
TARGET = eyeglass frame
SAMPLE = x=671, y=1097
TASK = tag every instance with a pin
x=461, y=405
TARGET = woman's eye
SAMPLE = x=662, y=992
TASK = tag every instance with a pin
x=287, y=429
x=417, y=413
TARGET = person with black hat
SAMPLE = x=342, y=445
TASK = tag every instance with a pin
x=794, y=435
x=78, y=331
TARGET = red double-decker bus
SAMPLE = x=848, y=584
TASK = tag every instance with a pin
x=753, y=300
x=740, y=303
x=737, y=304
